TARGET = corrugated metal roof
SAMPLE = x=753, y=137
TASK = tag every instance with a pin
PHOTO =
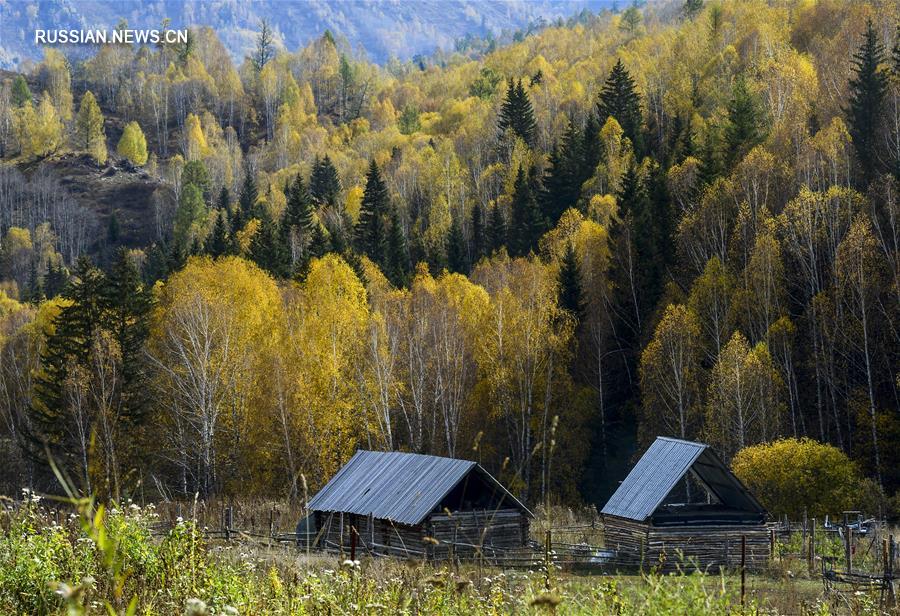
x=660, y=469
x=397, y=486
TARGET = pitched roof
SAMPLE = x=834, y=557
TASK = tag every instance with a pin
x=397, y=486
x=660, y=469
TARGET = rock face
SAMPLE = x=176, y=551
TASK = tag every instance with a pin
x=384, y=29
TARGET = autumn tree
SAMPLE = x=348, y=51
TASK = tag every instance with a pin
x=133, y=144
x=517, y=114
x=371, y=235
x=670, y=377
x=744, y=398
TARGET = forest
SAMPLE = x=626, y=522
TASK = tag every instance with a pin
x=681, y=219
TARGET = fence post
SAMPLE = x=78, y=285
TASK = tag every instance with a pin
x=772, y=544
x=548, y=539
x=811, y=559
x=743, y=567
x=890, y=569
x=353, y=543
x=272, y=525
x=847, y=559
x=229, y=522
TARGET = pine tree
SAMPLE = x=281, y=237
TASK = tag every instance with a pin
x=527, y=223
x=868, y=88
x=266, y=248
x=21, y=94
x=571, y=292
x=217, y=243
x=562, y=185
x=370, y=230
x=456, y=249
x=710, y=165
x=55, y=281
x=745, y=123
x=34, y=291
x=324, y=184
x=89, y=128
x=113, y=229
x=128, y=304
x=297, y=223
x=397, y=267
x=619, y=99
x=68, y=345
x=224, y=201
x=496, y=232
x=479, y=235
x=517, y=113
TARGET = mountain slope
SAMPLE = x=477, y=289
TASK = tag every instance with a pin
x=384, y=28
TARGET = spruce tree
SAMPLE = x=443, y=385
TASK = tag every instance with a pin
x=217, y=243
x=571, y=292
x=397, y=266
x=745, y=123
x=21, y=94
x=496, y=232
x=324, y=184
x=456, y=249
x=868, y=88
x=527, y=223
x=34, y=291
x=128, y=304
x=55, y=281
x=619, y=98
x=479, y=234
x=371, y=237
x=68, y=345
x=266, y=248
x=517, y=113
x=562, y=185
x=710, y=165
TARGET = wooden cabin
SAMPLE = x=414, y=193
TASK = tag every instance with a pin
x=414, y=505
x=681, y=506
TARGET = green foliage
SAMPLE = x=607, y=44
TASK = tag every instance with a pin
x=517, y=114
x=21, y=94
x=745, y=122
x=527, y=223
x=324, y=184
x=108, y=559
x=89, y=128
x=485, y=84
x=371, y=232
x=868, y=88
x=790, y=476
x=571, y=293
x=619, y=99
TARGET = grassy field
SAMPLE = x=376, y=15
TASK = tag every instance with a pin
x=109, y=562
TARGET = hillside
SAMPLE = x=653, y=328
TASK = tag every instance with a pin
x=381, y=28
x=680, y=219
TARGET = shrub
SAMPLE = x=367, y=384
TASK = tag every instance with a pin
x=791, y=475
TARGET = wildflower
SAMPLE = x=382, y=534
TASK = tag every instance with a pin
x=350, y=564
x=195, y=607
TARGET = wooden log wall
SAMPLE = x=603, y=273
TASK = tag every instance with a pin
x=669, y=547
x=467, y=533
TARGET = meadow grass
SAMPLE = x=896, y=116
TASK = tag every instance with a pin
x=107, y=561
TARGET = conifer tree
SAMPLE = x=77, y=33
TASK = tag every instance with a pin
x=517, y=113
x=89, y=128
x=133, y=144
x=324, y=184
x=619, y=98
x=246, y=204
x=571, y=291
x=562, y=185
x=34, y=290
x=868, y=88
x=371, y=237
x=224, y=201
x=298, y=224
x=479, y=235
x=456, y=249
x=496, y=233
x=745, y=123
x=217, y=243
x=21, y=94
x=55, y=281
x=266, y=248
x=527, y=223
x=710, y=165
x=128, y=303
x=397, y=267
